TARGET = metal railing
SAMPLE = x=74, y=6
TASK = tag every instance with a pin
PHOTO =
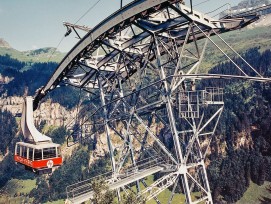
x=213, y=95
x=190, y=101
x=84, y=187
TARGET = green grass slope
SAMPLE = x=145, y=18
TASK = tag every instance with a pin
x=252, y=196
x=17, y=191
x=246, y=38
x=254, y=193
x=39, y=55
x=239, y=40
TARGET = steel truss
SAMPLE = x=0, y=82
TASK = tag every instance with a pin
x=143, y=66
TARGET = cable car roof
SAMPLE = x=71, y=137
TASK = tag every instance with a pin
x=38, y=146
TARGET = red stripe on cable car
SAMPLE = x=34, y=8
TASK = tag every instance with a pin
x=22, y=160
x=38, y=164
x=43, y=163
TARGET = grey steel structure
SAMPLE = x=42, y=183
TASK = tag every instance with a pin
x=142, y=65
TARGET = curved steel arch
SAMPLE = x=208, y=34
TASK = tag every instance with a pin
x=128, y=13
x=134, y=14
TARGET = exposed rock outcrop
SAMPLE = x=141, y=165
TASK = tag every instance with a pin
x=52, y=113
x=5, y=79
x=12, y=104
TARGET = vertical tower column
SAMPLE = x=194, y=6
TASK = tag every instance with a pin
x=179, y=154
x=109, y=142
x=128, y=135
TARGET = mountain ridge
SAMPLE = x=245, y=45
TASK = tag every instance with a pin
x=37, y=55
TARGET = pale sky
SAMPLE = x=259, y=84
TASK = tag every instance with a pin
x=32, y=24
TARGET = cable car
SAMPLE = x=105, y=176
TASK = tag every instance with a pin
x=38, y=158
x=38, y=153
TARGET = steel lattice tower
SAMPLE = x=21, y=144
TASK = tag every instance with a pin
x=143, y=66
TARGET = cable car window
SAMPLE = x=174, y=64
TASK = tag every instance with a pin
x=49, y=153
x=30, y=154
x=58, y=152
x=37, y=154
x=24, y=151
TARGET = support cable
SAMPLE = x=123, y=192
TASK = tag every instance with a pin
x=65, y=35
x=92, y=7
x=221, y=50
x=237, y=54
x=201, y=3
x=55, y=49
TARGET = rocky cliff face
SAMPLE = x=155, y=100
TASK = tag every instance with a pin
x=52, y=113
x=243, y=140
x=12, y=104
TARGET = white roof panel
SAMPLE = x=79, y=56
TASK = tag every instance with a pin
x=39, y=145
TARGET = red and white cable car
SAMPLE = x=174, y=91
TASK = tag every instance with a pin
x=39, y=153
x=38, y=157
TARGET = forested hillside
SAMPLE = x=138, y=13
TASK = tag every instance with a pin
x=26, y=77
x=244, y=130
x=8, y=137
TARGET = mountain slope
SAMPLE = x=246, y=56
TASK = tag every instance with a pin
x=240, y=40
x=38, y=55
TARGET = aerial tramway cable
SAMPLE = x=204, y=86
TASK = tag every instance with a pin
x=92, y=7
x=55, y=49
